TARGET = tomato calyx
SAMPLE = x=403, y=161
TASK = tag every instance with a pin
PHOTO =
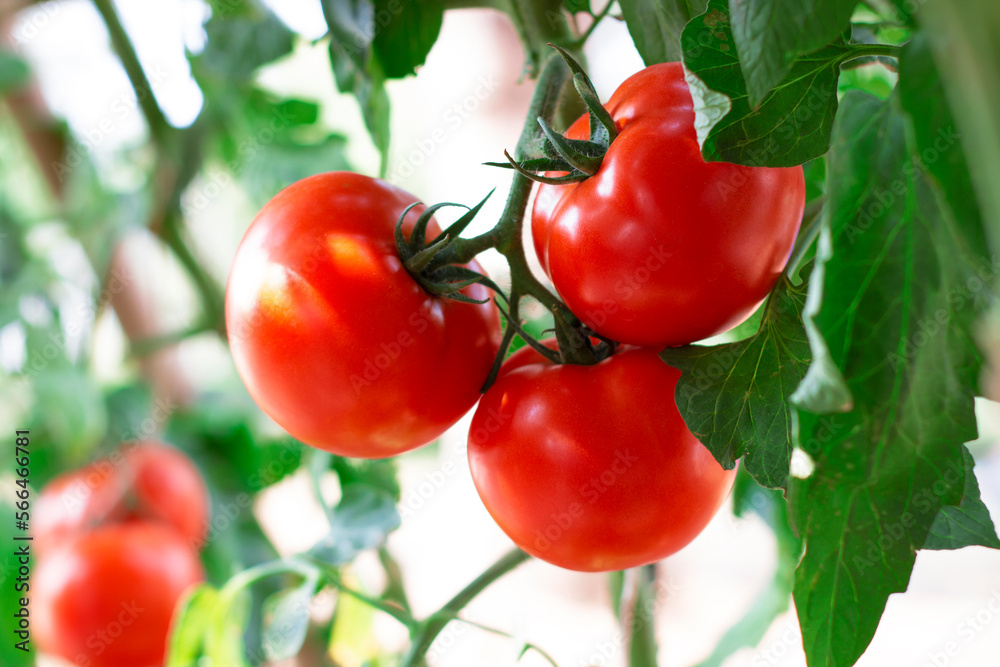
x=579, y=159
x=429, y=264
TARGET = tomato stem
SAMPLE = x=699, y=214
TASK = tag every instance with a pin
x=432, y=627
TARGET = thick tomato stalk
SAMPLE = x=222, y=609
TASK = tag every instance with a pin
x=146, y=480
x=659, y=247
x=106, y=598
x=334, y=339
x=591, y=467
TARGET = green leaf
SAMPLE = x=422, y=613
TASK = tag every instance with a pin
x=405, y=31
x=14, y=71
x=239, y=44
x=773, y=600
x=896, y=316
x=790, y=126
x=224, y=633
x=286, y=620
x=283, y=162
x=734, y=397
x=771, y=35
x=968, y=524
x=361, y=520
x=377, y=473
x=655, y=27
x=574, y=6
x=193, y=614
x=352, y=27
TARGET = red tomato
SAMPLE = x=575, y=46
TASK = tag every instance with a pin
x=659, y=247
x=106, y=598
x=145, y=480
x=591, y=467
x=333, y=338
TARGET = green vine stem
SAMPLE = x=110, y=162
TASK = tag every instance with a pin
x=178, y=159
x=506, y=235
x=429, y=629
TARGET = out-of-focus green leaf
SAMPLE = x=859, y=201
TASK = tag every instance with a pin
x=352, y=641
x=286, y=620
x=377, y=473
x=655, y=27
x=362, y=519
x=282, y=163
x=193, y=615
x=774, y=599
x=405, y=31
x=240, y=42
x=356, y=69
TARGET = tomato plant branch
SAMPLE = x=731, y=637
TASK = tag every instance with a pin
x=593, y=25
x=432, y=627
x=159, y=128
x=177, y=162
x=528, y=646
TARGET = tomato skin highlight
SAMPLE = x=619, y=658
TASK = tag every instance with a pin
x=661, y=248
x=146, y=480
x=334, y=339
x=108, y=596
x=591, y=468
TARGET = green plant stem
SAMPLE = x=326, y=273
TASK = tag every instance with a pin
x=432, y=627
x=212, y=296
x=159, y=128
x=331, y=575
x=177, y=161
x=869, y=50
x=395, y=591
x=528, y=646
x=506, y=235
x=593, y=26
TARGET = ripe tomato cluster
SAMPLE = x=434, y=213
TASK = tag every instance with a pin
x=118, y=542
x=590, y=467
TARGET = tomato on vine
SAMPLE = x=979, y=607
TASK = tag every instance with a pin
x=591, y=467
x=658, y=247
x=333, y=337
x=145, y=480
x=106, y=598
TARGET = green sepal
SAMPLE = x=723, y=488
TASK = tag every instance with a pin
x=586, y=89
